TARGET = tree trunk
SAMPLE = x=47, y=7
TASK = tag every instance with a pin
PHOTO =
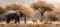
x=42, y=12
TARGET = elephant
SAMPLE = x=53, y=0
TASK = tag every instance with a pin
x=15, y=16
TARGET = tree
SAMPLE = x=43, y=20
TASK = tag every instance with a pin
x=11, y=7
x=53, y=17
x=28, y=12
x=42, y=7
x=2, y=11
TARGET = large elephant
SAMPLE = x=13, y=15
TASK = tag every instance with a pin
x=15, y=16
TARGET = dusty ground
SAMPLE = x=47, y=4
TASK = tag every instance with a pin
x=41, y=24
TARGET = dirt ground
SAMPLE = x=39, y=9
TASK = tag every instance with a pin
x=3, y=24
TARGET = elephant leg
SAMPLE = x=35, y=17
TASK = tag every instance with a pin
x=25, y=20
x=8, y=20
x=17, y=19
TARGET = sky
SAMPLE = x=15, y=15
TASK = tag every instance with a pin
x=27, y=2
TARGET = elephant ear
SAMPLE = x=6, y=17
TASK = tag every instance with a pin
x=28, y=12
x=17, y=13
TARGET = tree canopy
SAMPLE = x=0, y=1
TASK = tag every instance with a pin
x=42, y=4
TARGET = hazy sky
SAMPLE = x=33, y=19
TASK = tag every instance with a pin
x=26, y=2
